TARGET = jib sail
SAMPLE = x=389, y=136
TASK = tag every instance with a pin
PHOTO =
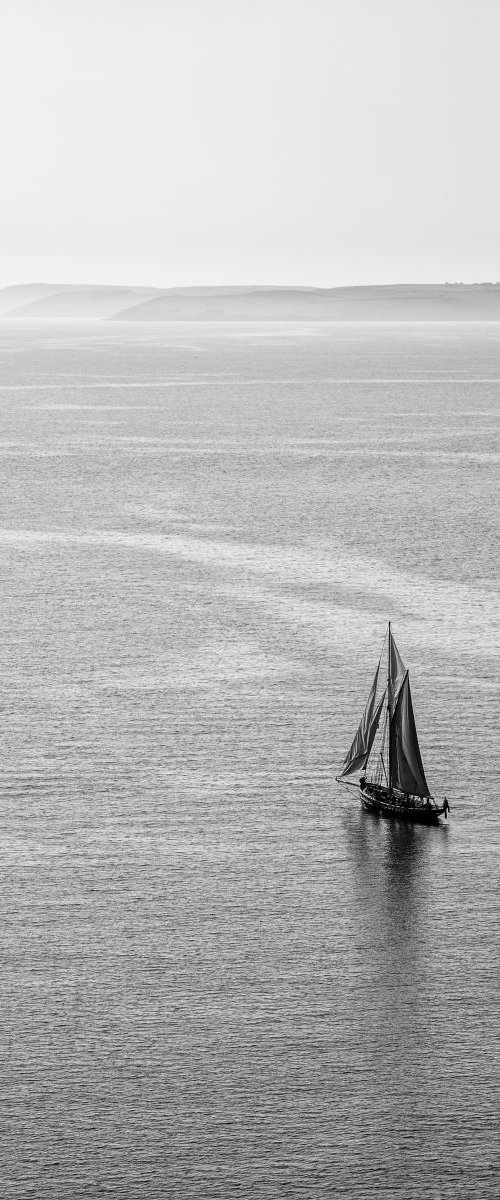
x=359, y=752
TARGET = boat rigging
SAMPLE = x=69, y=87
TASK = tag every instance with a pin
x=387, y=756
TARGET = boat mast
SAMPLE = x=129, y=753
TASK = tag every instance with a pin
x=389, y=708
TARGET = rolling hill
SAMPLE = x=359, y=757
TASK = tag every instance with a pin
x=398, y=302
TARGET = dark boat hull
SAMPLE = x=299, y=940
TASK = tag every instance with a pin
x=380, y=802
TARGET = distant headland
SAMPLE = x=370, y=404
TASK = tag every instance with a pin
x=387, y=302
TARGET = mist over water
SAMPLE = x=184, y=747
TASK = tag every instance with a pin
x=219, y=977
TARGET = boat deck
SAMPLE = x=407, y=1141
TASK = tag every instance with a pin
x=381, y=802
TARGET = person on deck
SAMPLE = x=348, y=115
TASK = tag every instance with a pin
x=446, y=809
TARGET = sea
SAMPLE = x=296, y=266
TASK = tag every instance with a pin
x=219, y=977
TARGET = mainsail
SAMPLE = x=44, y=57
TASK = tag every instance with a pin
x=396, y=672
x=359, y=752
x=407, y=772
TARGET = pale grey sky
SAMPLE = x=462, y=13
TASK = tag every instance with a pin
x=322, y=142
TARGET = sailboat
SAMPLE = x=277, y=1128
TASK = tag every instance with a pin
x=385, y=752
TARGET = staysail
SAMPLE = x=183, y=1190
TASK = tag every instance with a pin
x=359, y=752
x=407, y=772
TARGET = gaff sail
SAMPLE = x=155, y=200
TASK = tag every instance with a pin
x=407, y=772
x=359, y=752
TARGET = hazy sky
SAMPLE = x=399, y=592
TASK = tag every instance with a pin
x=177, y=142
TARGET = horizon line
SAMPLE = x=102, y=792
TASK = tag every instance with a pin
x=255, y=286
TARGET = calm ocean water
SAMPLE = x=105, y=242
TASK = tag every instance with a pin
x=219, y=977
